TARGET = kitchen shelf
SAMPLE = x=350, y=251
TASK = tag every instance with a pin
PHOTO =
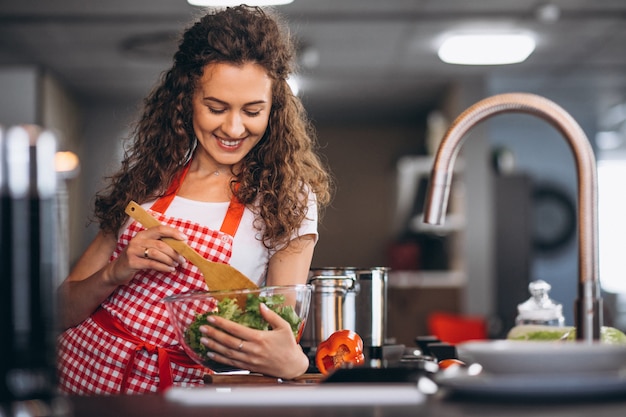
x=442, y=246
x=412, y=170
x=427, y=279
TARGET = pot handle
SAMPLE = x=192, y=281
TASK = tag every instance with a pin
x=352, y=285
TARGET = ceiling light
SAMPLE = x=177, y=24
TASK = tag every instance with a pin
x=66, y=161
x=225, y=3
x=548, y=12
x=486, y=49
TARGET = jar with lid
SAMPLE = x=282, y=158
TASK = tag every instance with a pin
x=540, y=309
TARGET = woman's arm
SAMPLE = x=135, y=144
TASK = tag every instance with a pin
x=291, y=264
x=89, y=282
x=94, y=278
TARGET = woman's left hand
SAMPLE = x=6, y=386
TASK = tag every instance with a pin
x=273, y=352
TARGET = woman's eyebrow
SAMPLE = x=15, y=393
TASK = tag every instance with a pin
x=217, y=100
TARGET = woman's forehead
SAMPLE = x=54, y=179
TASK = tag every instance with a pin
x=248, y=82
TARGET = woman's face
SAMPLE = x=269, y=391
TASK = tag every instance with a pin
x=231, y=109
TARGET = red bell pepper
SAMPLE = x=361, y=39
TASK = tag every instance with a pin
x=343, y=347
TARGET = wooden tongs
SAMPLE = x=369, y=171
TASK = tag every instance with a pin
x=216, y=275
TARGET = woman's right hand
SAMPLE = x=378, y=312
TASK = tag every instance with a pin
x=146, y=250
x=94, y=278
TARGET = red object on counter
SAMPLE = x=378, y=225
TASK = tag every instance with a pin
x=454, y=328
x=449, y=363
x=343, y=347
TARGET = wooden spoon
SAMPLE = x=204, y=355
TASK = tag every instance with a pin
x=216, y=275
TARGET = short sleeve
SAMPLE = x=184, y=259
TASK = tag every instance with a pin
x=309, y=224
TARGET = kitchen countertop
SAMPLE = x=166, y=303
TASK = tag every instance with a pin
x=436, y=405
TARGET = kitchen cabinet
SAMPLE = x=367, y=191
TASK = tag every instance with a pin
x=512, y=247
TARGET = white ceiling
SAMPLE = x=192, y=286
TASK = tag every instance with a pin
x=375, y=57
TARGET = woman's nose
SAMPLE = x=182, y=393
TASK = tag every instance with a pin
x=233, y=125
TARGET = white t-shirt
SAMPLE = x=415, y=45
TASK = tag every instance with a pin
x=249, y=255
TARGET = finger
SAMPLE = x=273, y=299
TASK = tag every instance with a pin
x=165, y=253
x=148, y=245
x=158, y=232
x=220, y=347
x=168, y=231
x=275, y=321
x=234, y=349
x=155, y=259
x=225, y=329
x=226, y=360
x=238, y=345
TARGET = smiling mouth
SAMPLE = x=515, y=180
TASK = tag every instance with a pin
x=230, y=143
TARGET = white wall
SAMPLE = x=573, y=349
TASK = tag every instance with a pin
x=18, y=95
x=105, y=127
x=357, y=229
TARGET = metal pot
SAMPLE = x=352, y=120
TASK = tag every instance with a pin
x=347, y=298
x=371, y=306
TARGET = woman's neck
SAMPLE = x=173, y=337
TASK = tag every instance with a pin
x=207, y=181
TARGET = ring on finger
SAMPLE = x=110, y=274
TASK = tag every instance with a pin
x=240, y=345
x=145, y=253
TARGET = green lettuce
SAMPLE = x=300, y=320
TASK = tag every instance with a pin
x=609, y=335
x=250, y=316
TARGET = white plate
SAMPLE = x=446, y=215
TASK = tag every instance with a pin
x=546, y=386
x=296, y=395
x=525, y=357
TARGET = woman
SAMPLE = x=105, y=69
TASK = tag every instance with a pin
x=224, y=157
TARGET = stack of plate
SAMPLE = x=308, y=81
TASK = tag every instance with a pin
x=539, y=369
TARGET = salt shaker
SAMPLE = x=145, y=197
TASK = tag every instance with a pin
x=540, y=309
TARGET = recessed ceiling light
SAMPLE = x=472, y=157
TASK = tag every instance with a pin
x=486, y=49
x=224, y=3
x=548, y=12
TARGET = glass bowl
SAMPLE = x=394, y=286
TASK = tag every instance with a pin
x=188, y=311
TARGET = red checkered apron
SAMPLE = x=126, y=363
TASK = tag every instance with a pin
x=128, y=345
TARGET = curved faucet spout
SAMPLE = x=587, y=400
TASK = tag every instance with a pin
x=589, y=303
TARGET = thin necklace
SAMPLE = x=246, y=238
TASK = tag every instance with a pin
x=219, y=172
x=216, y=173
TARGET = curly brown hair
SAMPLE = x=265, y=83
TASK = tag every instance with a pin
x=276, y=174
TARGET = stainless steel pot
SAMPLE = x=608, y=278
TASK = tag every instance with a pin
x=332, y=305
x=371, y=306
x=347, y=298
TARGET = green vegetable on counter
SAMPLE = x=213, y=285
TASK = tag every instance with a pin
x=609, y=335
x=250, y=316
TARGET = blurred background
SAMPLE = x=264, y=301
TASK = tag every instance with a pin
x=380, y=99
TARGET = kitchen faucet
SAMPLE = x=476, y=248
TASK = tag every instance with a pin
x=589, y=303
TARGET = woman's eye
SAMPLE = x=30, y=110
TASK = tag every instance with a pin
x=216, y=111
x=253, y=113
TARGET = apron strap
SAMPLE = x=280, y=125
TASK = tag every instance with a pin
x=164, y=201
x=233, y=214
x=165, y=355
